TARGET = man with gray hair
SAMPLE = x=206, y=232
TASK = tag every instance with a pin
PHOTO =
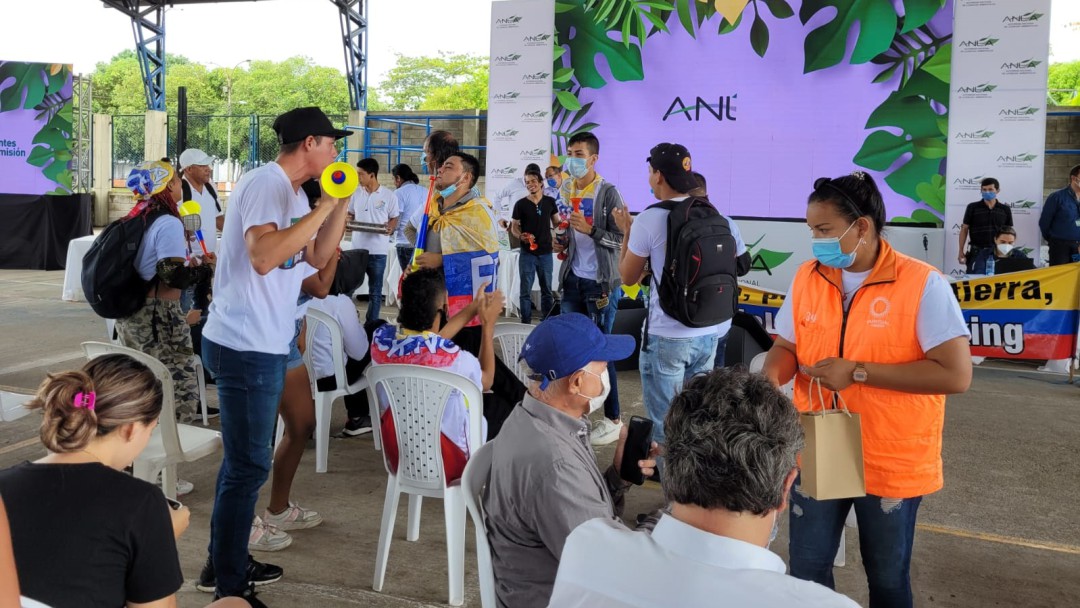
x=544, y=480
x=730, y=462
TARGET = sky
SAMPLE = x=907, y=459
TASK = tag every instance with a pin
x=225, y=34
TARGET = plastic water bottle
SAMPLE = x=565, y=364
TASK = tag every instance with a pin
x=990, y=266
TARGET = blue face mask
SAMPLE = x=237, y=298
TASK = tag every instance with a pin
x=828, y=251
x=551, y=182
x=423, y=158
x=576, y=167
x=447, y=193
x=989, y=196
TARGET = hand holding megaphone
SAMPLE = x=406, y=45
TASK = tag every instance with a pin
x=339, y=180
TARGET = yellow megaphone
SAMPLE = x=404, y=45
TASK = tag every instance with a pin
x=190, y=208
x=339, y=180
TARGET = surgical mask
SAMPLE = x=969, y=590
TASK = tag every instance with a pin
x=423, y=158
x=551, y=182
x=576, y=167
x=448, y=192
x=989, y=196
x=1004, y=248
x=828, y=251
x=597, y=402
x=775, y=529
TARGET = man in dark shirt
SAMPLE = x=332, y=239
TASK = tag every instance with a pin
x=534, y=217
x=1060, y=221
x=982, y=220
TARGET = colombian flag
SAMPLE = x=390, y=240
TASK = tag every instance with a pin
x=470, y=250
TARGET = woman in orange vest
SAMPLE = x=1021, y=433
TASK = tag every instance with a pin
x=886, y=332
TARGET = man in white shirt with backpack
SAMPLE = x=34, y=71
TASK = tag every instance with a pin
x=694, y=259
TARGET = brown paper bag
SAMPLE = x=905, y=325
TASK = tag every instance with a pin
x=832, y=462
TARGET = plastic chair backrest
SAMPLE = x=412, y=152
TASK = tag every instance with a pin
x=509, y=338
x=758, y=363
x=417, y=397
x=337, y=348
x=473, y=482
x=167, y=421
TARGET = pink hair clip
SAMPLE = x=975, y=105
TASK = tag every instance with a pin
x=86, y=400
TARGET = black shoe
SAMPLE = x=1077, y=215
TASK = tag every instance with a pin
x=357, y=426
x=248, y=596
x=258, y=574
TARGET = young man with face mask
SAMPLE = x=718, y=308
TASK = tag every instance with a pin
x=589, y=278
x=1060, y=221
x=1004, y=247
x=982, y=219
x=544, y=481
x=732, y=443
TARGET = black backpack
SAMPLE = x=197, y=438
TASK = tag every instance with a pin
x=699, y=285
x=186, y=188
x=110, y=280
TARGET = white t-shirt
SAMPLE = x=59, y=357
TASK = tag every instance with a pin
x=939, y=319
x=209, y=213
x=648, y=239
x=410, y=198
x=687, y=567
x=505, y=200
x=377, y=207
x=163, y=239
x=432, y=350
x=252, y=312
x=343, y=310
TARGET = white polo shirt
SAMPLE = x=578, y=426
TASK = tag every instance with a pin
x=209, y=213
x=253, y=312
x=378, y=207
x=686, y=567
x=648, y=239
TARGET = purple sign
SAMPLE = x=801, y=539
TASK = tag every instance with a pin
x=765, y=106
x=35, y=128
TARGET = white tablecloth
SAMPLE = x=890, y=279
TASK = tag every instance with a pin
x=77, y=249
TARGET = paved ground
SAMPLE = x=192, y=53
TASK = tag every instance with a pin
x=1003, y=532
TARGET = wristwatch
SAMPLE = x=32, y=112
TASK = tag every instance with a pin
x=859, y=374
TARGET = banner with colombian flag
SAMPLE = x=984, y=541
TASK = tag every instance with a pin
x=1033, y=314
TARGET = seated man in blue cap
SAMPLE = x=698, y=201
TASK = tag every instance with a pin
x=544, y=479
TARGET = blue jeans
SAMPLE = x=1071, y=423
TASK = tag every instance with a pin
x=249, y=389
x=721, y=346
x=886, y=534
x=666, y=363
x=404, y=257
x=530, y=266
x=580, y=295
x=376, y=268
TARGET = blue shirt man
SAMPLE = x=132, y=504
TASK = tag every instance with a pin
x=1060, y=221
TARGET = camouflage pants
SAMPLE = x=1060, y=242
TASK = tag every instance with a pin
x=160, y=330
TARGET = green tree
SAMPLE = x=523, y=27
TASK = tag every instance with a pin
x=456, y=78
x=1065, y=77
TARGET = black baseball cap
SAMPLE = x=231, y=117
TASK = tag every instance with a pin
x=296, y=124
x=673, y=161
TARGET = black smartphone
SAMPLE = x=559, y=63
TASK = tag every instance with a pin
x=173, y=504
x=638, y=442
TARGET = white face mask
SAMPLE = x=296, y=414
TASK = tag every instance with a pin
x=775, y=528
x=597, y=402
x=1004, y=248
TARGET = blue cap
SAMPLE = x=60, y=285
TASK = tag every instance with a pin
x=564, y=344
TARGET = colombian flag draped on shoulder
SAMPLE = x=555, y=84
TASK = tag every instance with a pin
x=469, y=245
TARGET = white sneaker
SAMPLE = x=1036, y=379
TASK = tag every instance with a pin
x=293, y=518
x=265, y=537
x=183, y=487
x=605, y=431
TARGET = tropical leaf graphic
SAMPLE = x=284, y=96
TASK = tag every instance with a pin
x=590, y=39
x=39, y=86
x=629, y=16
x=826, y=46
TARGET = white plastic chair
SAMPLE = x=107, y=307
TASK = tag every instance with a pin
x=115, y=338
x=171, y=443
x=758, y=364
x=417, y=397
x=509, y=338
x=13, y=405
x=477, y=473
x=324, y=400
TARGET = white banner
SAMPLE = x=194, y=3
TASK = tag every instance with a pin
x=997, y=114
x=778, y=247
x=519, y=90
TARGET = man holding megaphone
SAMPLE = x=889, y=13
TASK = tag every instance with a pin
x=270, y=242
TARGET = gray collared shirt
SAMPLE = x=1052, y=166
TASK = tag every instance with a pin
x=544, y=483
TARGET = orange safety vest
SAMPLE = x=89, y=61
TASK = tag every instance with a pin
x=901, y=432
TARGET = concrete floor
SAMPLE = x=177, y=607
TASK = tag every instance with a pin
x=1003, y=532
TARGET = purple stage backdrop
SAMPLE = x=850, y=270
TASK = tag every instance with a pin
x=762, y=128
x=35, y=128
